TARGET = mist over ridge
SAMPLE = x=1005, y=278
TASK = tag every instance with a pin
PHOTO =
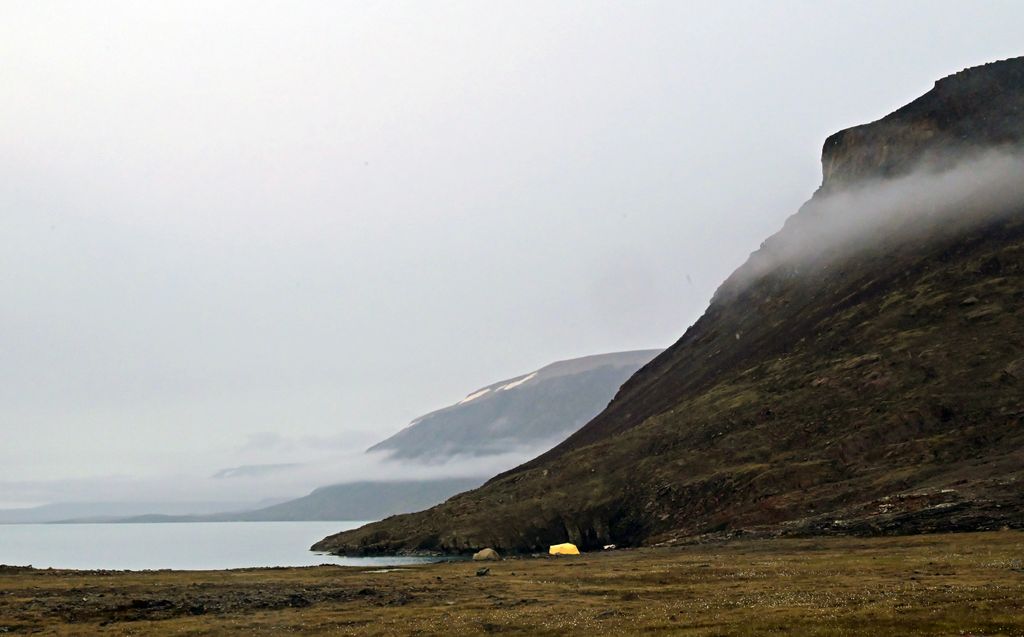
x=252, y=235
x=957, y=191
x=860, y=374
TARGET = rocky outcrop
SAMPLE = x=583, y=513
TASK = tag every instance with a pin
x=977, y=108
x=840, y=373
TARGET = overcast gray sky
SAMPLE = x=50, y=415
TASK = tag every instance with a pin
x=248, y=232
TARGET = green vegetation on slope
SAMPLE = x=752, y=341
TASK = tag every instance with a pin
x=862, y=373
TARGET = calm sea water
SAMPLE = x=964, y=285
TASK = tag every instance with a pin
x=185, y=545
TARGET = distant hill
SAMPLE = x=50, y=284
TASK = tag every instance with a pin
x=530, y=411
x=351, y=501
x=861, y=373
x=527, y=413
x=365, y=500
x=93, y=511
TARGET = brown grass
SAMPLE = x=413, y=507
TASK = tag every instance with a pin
x=957, y=584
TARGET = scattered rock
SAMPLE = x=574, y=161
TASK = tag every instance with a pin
x=480, y=572
x=1014, y=370
x=858, y=361
x=298, y=601
x=150, y=604
x=991, y=266
x=983, y=312
x=486, y=555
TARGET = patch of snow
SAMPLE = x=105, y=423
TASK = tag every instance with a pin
x=517, y=383
x=474, y=395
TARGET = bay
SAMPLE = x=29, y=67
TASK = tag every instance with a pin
x=177, y=545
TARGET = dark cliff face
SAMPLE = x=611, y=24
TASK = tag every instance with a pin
x=978, y=108
x=856, y=378
x=986, y=112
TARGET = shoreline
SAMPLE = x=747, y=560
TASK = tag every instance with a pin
x=931, y=584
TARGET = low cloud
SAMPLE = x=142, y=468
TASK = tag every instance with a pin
x=257, y=483
x=837, y=223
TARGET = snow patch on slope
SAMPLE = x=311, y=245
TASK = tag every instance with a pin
x=516, y=383
x=474, y=396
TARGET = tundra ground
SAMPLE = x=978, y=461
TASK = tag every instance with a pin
x=954, y=584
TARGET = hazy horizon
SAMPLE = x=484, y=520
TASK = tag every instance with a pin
x=255, y=233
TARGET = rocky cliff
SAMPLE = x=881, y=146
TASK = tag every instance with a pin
x=978, y=108
x=863, y=372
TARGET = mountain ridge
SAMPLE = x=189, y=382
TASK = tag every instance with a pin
x=361, y=500
x=872, y=387
x=529, y=411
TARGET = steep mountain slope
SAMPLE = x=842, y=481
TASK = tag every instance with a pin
x=863, y=372
x=533, y=410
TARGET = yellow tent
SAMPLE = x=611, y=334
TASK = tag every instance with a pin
x=563, y=549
